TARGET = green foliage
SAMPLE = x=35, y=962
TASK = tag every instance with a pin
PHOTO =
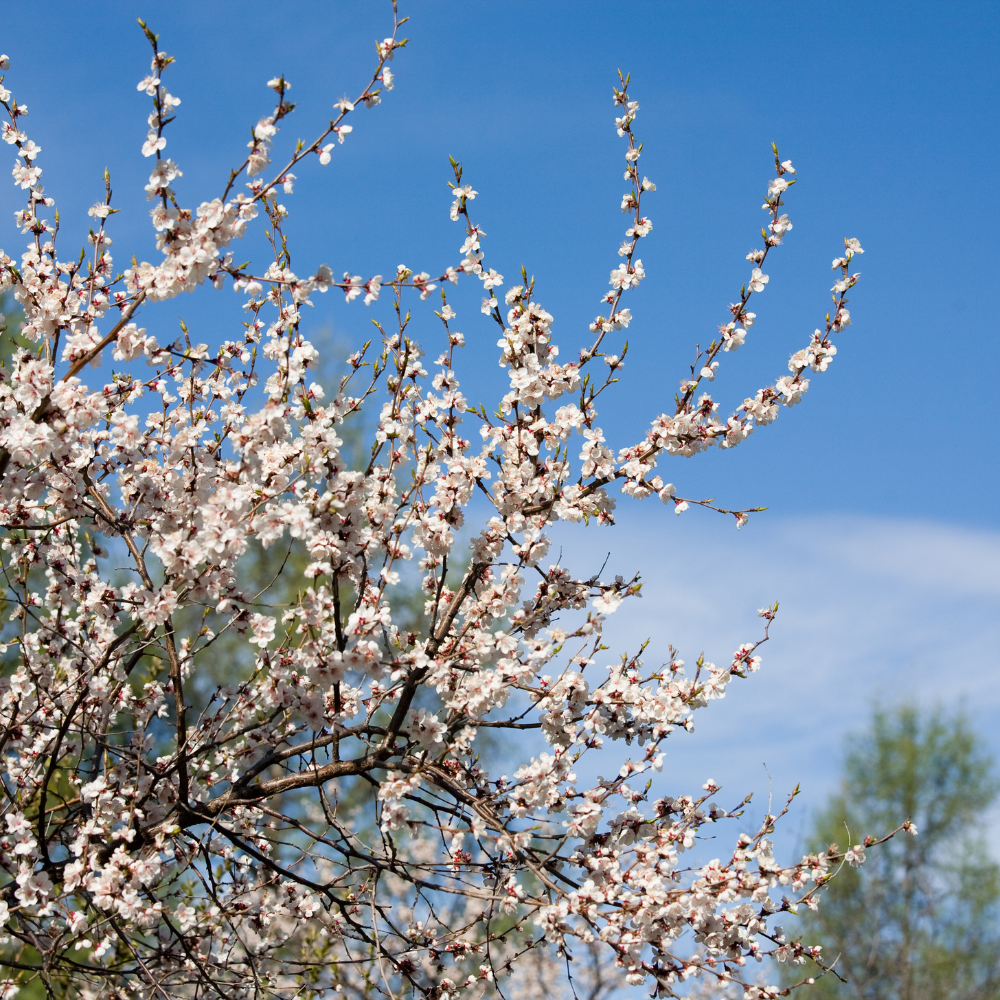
x=10, y=326
x=10, y=342
x=919, y=921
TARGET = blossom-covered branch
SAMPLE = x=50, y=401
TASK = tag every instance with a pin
x=215, y=787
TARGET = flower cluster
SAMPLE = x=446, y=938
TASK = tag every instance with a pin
x=245, y=746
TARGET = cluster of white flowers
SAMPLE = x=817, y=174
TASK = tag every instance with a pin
x=329, y=801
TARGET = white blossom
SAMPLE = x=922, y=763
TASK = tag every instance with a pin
x=259, y=692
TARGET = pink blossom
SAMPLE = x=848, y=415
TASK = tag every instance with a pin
x=297, y=663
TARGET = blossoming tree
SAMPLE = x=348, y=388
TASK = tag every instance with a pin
x=318, y=819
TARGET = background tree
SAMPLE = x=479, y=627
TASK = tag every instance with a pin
x=921, y=920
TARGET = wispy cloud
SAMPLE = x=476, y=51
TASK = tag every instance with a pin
x=872, y=610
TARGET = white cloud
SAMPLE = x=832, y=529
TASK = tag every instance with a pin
x=871, y=610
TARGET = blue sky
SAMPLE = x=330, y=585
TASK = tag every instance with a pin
x=882, y=486
x=887, y=110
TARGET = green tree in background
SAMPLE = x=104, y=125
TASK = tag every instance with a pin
x=921, y=919
x=10, y=325
x=11, y=341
